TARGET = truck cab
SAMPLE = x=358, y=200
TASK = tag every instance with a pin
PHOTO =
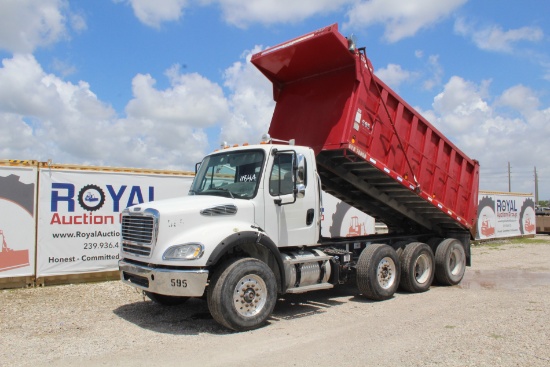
x=253, y=200
x=268, y=178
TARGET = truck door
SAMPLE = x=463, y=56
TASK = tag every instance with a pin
x=289, y=221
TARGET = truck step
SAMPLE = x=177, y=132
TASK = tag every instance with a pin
x=307, y=288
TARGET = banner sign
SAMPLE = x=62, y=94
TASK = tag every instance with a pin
x=342, y=220
x=79, y=215
x=17, y=220
x=505, y=215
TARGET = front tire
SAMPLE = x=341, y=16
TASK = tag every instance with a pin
x=378, y=272
x=417, y=267
x=242, y=294
x=450, y=262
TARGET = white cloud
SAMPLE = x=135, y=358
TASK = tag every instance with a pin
x=460, y=105
x=165, y=128
x=19, y=142
x=520, y=98
x=153, y=13
x=28, y=24
x=251, y=102
x=485, y=131
x=56, y=118
x=436, y=73
x=400, y=19
x=394, y=75
x=48, y=118
x=63, y=68
x=242, y=13
x=494, y=38
x=192, y=100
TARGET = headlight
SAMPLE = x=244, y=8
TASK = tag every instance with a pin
x=190, y=251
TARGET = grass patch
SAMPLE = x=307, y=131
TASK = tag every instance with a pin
x=495, y=244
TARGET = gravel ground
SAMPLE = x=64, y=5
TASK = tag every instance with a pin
x=498, y=316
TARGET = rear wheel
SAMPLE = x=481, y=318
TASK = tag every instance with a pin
x=433, y=242
x=450, y=262
x=378, y=272
x=417, y=267
x=400, y=246
x=166, y=300
x=242, y=294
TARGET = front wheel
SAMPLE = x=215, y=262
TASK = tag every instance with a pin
x=450, y=262
x=242, y=294
x=378, y=272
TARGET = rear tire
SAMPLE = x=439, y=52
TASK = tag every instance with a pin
x=161, y=299
x=242, y=294
x=400, y=246
x=417, y=267
x=450, y=262
x=378, y=272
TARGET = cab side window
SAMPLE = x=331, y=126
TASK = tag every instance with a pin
x=281, y=180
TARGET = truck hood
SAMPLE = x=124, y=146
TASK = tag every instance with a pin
x=194, y=203
x=199, y=218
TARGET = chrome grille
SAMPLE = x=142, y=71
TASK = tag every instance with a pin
x=138, y=234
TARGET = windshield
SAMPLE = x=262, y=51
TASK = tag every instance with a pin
x=231, y=174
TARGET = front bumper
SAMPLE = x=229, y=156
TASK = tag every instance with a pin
x=169, y=282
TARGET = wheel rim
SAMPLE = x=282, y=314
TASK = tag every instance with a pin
x=249, y=296
x=386, y=272
x=456, y=262
x=422, y=269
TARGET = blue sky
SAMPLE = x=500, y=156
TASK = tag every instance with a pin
x=160, y=83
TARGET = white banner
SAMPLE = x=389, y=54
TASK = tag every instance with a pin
x=79, y=215
x=503, y=215
x=342, y=220
x=17, y=220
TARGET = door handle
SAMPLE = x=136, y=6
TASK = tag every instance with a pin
x=310, y=216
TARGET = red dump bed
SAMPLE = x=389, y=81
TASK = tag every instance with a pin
x=373, y=150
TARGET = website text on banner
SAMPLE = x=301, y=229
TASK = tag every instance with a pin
x=79, y=216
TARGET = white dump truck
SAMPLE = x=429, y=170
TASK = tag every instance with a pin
x=250, y=228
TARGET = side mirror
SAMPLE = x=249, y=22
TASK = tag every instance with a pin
x=300, y=191
x=300, y=176
x=300, y=170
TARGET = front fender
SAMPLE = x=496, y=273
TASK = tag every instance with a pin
x=207, y=234
x=246, y=239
